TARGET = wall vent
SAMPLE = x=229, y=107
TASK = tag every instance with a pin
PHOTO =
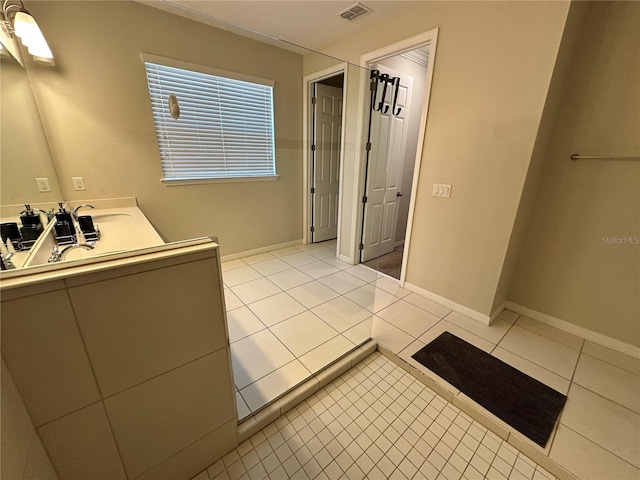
x=354, y=11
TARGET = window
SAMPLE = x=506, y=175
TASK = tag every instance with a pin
x=225, y=127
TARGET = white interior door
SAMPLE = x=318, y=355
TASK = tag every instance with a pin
x=326, y=161
x=386, y=161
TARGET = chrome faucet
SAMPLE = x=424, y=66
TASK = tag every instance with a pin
x=6, y=260
x=58, y=255
x=74, y=212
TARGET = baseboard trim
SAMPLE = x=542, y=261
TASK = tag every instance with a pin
x=257, y=251
x=595, y=337
x=475, y=315
x=498, y=311
x=345, y=258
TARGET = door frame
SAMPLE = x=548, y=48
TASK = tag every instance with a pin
x=307, y=170
x=427, y=38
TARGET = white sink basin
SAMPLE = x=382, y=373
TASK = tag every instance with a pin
x=110, y=217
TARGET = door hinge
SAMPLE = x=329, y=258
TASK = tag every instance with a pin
x=364, y=199
x=313, y=229
x=313, y=148
x=313, y=190
x=314, y=100
x=368, y=147
x=361, y=247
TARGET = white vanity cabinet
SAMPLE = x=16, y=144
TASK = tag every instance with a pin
x=123, y=364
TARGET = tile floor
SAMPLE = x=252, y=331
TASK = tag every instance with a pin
x=598, y=435
x=274, y=300
x=375, y=421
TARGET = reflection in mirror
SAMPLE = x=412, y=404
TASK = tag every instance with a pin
x=297, y=299
x=25, y=151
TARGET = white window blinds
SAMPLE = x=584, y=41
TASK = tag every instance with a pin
x=225, y=127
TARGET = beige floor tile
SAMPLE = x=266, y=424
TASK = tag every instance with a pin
x=259, y=258
x=428, y=305
x=290, y=279
x=493, y=333
x=275, y=384
x=542, y=351
x=604, y=422
x=334, y=262
x=342, y=282
x=508, y=316
x=587, y=460
x=618, y=359
x=409, y=318
x=312, y=294
x=326, y=353
x=392, y=286
x=322, y=253
x=232, y=264
x=231, y=300
x=363, y=273
x=318, y=269
x=444, y=326
x=271, y=266
x=391, y=337
x=371, y=298
x=285, y=251
x=294, y=333
x=543, y=375
x=611, y=382
x=550, y=332
x=255, y=290
x=341, y=313
x=361, y=332
x=255, y=356
x=240, y=275
x=276, y=308
x=299, y=259
x=242, y=323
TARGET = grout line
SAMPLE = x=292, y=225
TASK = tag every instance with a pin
x=582, y=352
x=600, y=446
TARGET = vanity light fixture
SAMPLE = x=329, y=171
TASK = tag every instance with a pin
x=16, y=21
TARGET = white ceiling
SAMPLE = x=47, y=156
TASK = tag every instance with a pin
x=311, y=23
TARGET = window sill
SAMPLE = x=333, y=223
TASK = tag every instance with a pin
x=177, y=183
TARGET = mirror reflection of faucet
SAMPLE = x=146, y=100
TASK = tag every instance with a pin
x=58, y=255
x=67, y=233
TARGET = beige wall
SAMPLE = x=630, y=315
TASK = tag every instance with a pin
x=96, y=112
x=565, y=268
x=24, y=150
x=493, y=67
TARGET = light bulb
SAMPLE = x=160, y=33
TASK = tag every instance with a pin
x=31, y=36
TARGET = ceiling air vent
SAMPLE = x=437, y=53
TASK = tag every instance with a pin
x=354, y=12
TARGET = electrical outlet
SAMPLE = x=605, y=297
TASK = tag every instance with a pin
x=43, y=184
x=78, y=183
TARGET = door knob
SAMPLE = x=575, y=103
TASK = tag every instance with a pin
x=398, y=194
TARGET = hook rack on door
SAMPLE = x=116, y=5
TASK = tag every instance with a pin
x=384, y=78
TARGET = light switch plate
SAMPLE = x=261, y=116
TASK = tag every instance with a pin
x=441, y=190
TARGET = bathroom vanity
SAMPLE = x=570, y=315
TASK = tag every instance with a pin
x=122, y=357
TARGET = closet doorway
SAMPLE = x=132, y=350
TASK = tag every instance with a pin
x=395, y=133
x=326, y=156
